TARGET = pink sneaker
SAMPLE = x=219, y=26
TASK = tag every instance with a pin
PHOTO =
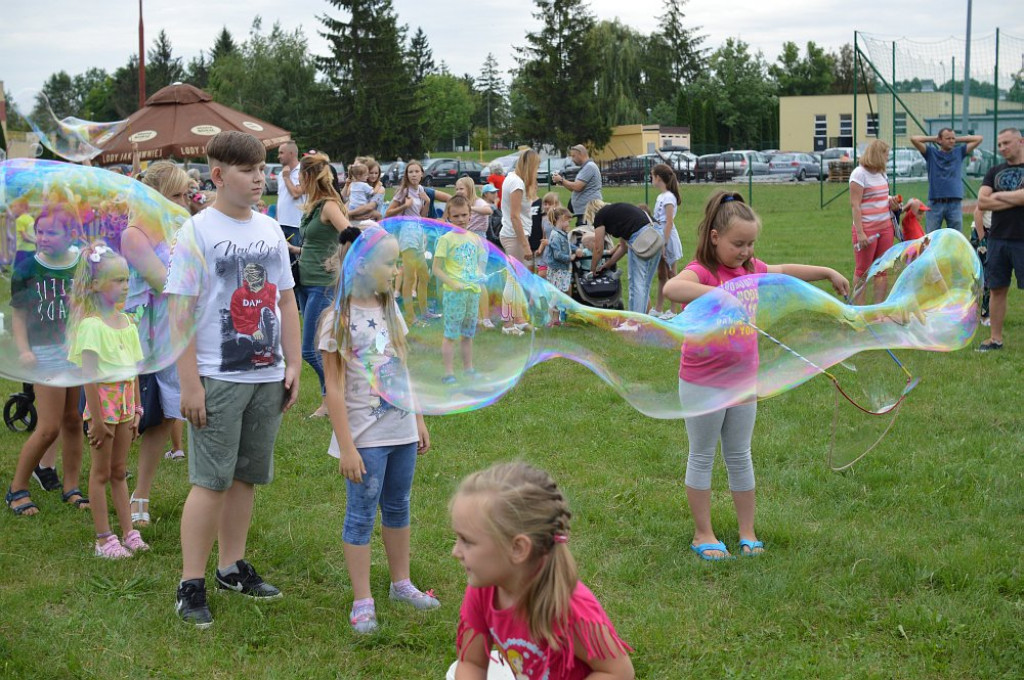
x=111, y=549
x=133, y=541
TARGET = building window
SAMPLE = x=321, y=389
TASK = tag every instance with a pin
x=899, y=124
x=820, y=126
x=845, y=125
x=872, y=127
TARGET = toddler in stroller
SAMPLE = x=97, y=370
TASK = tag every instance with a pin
x=604, y=290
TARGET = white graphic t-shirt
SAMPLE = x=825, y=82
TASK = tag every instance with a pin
x=237, y=270
x=372, y=418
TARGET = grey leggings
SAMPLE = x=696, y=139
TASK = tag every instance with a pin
x=733, y=425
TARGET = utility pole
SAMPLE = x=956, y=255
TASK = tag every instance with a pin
x=142, y=61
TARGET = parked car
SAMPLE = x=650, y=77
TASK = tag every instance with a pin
x=704, y=168
x=683, y=162
x=626, y=170
x=270, y=175
x=836, y=153
x=386, y=177
x=560, y=166
x=908, y=163
x=205, y=183
x=980, y=162
x=742, y=164
x=444, y=171
x=800, y=166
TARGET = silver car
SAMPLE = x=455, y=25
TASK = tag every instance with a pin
x=908, y=163
x=799, y=166
x=742, y=164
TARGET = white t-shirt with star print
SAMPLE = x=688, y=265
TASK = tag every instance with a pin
x=373, y=420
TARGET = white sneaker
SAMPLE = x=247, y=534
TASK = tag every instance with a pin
x=511, y=330
x=668, y=314
x=985, y=321
x=627, y=328
x=487, y=323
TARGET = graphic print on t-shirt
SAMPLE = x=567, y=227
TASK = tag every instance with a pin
x=250, y=329
x=384, y=369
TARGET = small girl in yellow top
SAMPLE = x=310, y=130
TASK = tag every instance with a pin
x=105, y=343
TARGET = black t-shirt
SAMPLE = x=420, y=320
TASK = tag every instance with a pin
x=1006, y=224
x=536, y=226
x=621, y=220
x=42, y=292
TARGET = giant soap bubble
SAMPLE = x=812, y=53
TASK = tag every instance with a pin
x=49, y=211
x=766, y=333
x=71, y=138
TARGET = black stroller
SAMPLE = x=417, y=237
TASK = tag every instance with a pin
x=603, y=291
x=20, y=410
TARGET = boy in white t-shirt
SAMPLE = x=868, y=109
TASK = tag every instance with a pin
x=229, y=274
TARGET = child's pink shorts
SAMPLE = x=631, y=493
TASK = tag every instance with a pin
x=117, y=402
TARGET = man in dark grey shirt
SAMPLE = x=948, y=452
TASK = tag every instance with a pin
x=587, y=185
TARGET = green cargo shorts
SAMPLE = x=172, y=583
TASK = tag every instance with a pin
x=242, y=420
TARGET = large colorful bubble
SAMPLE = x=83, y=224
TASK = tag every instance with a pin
x=476, y=329
x=70, y=138
x=49, y=212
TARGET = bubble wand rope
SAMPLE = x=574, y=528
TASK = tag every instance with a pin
x=835, y=381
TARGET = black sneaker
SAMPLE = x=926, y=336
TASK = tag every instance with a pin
x=191, y=603
x=247, y=582
x=989, y=346
x=47, y=478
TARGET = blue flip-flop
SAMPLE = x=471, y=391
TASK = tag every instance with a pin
x=703, y=549
x=750, y=546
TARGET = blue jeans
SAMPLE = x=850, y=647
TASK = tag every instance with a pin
x=316, y=302
x=952, y=212
x=641, y=275
x=387, y=482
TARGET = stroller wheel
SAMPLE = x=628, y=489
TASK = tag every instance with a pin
x=20, y=413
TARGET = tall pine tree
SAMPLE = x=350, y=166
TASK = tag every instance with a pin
x=558, y=74
x=494, y=109
x=421, y=57
x=372, y=109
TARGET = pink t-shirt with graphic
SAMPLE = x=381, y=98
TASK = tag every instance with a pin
x=731, y=361
x=528, y=658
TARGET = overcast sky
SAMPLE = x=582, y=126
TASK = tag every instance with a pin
x=41, y=37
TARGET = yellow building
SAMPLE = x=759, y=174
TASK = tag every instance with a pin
x=636, y=140
x=818, y=122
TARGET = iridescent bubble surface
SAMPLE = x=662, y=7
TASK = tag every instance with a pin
x=49, y=212
x=775, y=332
x=70, y=137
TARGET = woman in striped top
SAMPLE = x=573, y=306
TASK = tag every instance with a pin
x=873, y=231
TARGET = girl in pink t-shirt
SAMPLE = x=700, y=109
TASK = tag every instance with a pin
x=524, y=596
x=724, y=376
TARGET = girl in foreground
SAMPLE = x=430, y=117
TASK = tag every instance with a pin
x=524, y=596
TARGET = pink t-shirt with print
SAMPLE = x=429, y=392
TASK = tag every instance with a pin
x=527, y=658
x=730, y=363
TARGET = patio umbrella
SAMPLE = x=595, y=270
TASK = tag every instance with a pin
x=179, y=121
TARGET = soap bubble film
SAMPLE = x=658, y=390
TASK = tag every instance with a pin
x=771, y=332
x=49, y=213
x=69, y=137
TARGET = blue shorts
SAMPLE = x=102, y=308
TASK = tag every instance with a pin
x=1004, y=259
x=461, y=311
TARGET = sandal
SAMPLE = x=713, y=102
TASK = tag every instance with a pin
x=703, y=549
x=175, y=454
x=82, y=503
x=140, y=517
x=750, y=548
x=20, y=510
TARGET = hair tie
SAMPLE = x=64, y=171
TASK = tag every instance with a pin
x=561, y=538
x=727, y=198
x=97, y=253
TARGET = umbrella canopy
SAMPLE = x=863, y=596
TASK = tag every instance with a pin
x=179, y=121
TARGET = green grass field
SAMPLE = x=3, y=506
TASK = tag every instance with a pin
x=907, y=566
